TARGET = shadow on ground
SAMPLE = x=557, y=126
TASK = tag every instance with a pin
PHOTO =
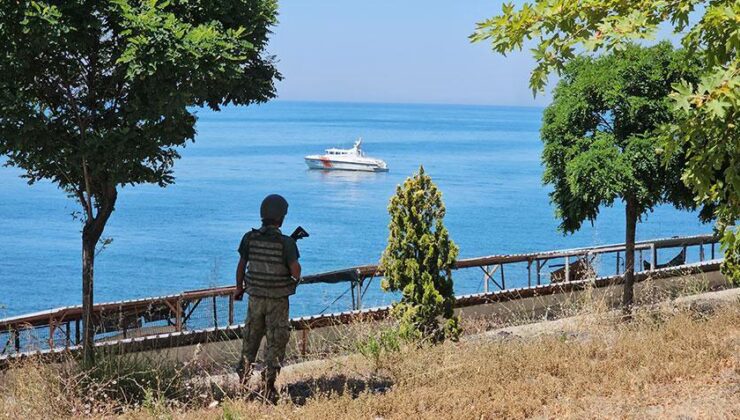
x=301, y=391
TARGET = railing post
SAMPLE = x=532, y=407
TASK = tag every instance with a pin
x=485, y=278
x=712, y=250
x=121, y=325
x=359, y=294
x=503, y=280
x=529, y=273
x=539, y=277
x=304, y=341
x=654, y=256
x=352, y=289
x=178, y=315
x=77, y=332
x=17, y=339
x=618, y=266
x=52, y=328
x=567, y=268
x=215, y=313
x=701, y=252
x=231, y=309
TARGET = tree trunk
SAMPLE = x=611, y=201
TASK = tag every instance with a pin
x=88, y=262
x=629, y=256
x=91, y=233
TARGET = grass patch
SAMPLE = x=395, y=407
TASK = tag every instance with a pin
x=115, y=385
x=671, y=364
x=667, y=362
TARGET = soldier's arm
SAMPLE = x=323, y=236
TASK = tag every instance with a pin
x=241, y=267
x=291, y=258
x=295, y=270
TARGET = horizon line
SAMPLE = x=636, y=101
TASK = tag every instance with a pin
x=371, y=102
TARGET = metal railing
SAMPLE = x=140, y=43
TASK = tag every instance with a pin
x=214, y=308
x=535, y=264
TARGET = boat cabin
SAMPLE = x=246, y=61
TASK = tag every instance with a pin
x=337, y=151
x=355, y=150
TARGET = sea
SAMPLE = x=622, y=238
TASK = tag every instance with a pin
x=485, y=159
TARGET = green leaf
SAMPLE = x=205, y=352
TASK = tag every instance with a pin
x=717, y=108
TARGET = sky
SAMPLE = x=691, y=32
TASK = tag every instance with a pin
x=395, y=51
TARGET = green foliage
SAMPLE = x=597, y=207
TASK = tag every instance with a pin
x=98, y=94
x=376, y=347
x=230, y=411
x=731, y=246
x=706, y=130
x=106, y=87
x=601, y=133
x=562, y=27
x=418, y=261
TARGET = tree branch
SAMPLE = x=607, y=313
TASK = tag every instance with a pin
x=87, y=201
x=77, y=190
x=86, y=175
x=606, y=123
x=107, y=204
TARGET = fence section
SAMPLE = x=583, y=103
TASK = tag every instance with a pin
x=215, y=309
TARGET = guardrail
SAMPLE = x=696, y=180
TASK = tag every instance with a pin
x=537, y=260
x=305, y=325
x=214, y=308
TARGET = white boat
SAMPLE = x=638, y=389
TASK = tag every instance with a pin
x=353, y=159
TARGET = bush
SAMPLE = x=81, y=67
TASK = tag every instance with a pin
x=376, y=347
x=418, y=261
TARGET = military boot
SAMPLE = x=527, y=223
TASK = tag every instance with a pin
x=244, y=370
x=270, y=394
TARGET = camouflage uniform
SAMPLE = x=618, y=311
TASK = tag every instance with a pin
x=268, y=284
x=266, y=317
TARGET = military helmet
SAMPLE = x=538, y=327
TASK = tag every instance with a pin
x=274, y=207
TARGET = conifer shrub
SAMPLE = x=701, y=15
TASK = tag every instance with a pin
x=418, y=261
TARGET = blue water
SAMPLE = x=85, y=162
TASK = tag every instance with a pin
x=486, y=160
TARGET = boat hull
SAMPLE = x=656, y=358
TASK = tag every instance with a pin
x=337, y=165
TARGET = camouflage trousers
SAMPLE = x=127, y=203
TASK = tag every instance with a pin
x=266, y=317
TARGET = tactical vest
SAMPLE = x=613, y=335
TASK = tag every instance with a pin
x=267, y=274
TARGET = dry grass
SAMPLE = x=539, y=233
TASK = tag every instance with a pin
x=662, y=364
x=34, y=391
x=667, y=362
x=30, y=389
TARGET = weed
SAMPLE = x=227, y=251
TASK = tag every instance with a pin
x=377, y=347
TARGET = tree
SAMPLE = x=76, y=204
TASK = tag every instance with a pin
x=707, y=130
x=601, y=133
x=418, y=260
x=97, y=94
x=706, y=127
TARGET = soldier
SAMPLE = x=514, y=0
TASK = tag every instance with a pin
x=268, y=271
